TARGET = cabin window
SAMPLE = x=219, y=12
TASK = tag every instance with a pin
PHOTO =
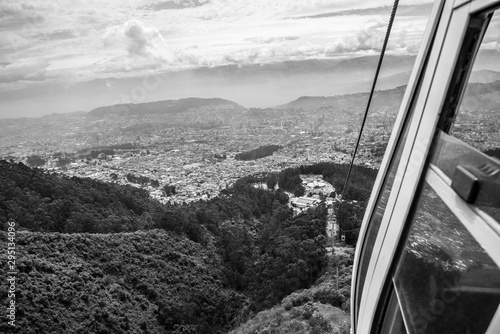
x=380, y=206
x=446, y=281
x=447, y=277
x=472, y=143
x=382, y=118
x=477, y=122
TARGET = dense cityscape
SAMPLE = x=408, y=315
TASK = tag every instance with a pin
x=193, y=151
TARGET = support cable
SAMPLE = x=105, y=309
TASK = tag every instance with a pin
x=377, y=72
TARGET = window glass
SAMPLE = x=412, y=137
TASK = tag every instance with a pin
x=474, y=140
x=393, y=319
x=381, y=117
x=446, y=282
x=451, y=154
x=399, y=60
x=378, y=213
x=477, y=122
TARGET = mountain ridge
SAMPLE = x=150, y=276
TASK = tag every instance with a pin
x=163, y=106
x=392, y=97
x=310, y=102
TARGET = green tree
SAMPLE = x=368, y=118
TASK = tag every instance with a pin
x=63, y=161
x=271, y=181
x=35, y=161
x=169, y=190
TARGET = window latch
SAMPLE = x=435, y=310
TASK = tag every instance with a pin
x=465, y=184
x=471, y=181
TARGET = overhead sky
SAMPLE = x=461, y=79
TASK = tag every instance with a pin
x=65, y=42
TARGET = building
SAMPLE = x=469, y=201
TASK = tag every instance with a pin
x=305, y=202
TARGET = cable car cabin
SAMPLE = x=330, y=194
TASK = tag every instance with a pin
x=428, y=252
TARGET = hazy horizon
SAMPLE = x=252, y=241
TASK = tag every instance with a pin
x=285, y=85
x=65, y=56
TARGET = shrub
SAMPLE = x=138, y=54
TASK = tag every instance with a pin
x=297, y=298
x=327, y=294
x=344, y=328
x=319, y=325
x=346, y=307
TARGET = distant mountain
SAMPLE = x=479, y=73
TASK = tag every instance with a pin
x=392, y=81
x=386, y=98
x=487, y=59
x=365, y=64
x=391, y=65
x=484, y=76
x=477, y=95
x=309, y=102
x=400, y=79
x=482, y=96
x=252, y=85
x=163, y=107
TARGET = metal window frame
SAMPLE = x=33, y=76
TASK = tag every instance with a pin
x=369, y=298
x=450, y=34
x=403, y=114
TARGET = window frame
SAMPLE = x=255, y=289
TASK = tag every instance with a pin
x=374, y=278
x=403, y=116
x=450, y=33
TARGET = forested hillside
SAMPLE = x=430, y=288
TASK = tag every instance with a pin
x=111, y=254
x=40, y=201
x=323, y=308
x=143, y=282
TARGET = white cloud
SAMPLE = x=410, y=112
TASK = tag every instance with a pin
x=267, y=40
x=34, y=70
x=19, y=13
x=145, y=49
x=113, y=38
x=368, y=39
x=281, y=8
x=137, y=39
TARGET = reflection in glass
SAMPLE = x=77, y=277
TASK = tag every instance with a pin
x=397, y=65
x=393, y=320
x=478, y=119
x=378, y=213
x=445, y=280
x=451, y=152
x=382, y=115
